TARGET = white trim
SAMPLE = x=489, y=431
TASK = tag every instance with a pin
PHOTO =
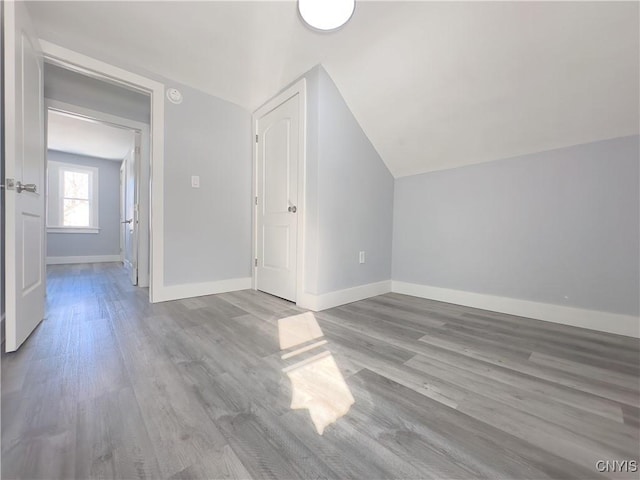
x=100, y=117
x=188, y=290
x=121, y=209
x=61, y=229
x=298, y=88
x=342, y=297
x=594, y=320
x=82, y=259
x=90, y=66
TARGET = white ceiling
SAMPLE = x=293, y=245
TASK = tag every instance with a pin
x=67, y=133
x=433, y=84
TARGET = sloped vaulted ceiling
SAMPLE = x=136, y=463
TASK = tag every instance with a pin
x=434, y=85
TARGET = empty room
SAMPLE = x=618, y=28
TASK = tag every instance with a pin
x=320, y=239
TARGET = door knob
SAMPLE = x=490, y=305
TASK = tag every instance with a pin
x=29, y=187
x=292, y=209
x=128, y=221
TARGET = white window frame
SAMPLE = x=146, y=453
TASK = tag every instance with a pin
x=59, y=168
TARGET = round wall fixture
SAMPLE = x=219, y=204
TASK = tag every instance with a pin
x=326, y=15
x=174, y=95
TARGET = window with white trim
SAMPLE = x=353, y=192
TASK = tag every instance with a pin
x=72, y=198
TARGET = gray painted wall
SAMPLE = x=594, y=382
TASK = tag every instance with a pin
x=207, y=229
x=559, y=227
x=107, y=242
x=71, y=87
x=349, y=195
x=311, y=233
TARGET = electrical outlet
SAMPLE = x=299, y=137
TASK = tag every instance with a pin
x=361, y=257
x=195, y=181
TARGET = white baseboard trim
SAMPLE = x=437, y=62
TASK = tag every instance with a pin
x=83, y=259
x=188, y=290
x=619, y=324
x=317, y=303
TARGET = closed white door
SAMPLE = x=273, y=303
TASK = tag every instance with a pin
x=24, y=177
x=130, y=222
x=277, y=189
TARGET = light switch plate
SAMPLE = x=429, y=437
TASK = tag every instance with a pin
x=195, y=181
x=361, y=257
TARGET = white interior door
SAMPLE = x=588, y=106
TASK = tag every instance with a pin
x=24, y=177
x=277, y=190
x=130, y=222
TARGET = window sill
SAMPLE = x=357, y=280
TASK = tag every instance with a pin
x=93, y=230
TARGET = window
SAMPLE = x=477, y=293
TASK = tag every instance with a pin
x=73, y=198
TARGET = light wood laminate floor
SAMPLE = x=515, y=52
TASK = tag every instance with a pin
x=245, y=385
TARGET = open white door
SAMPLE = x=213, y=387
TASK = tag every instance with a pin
x=130, y=222
x=277, y=189
x=24, y=176
x=123, y=199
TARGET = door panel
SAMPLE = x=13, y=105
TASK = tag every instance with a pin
x=277, y=187
x=24, y=164
x=31, y=252
x=276, y=247
x=123, y=200
x=277, y=169
x=131, y=211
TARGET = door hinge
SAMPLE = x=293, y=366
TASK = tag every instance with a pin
x=136, y=150
x=256, y=262
x=256, y=200
x=256, y=138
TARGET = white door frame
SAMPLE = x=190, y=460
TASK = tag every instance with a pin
x=143, y=197
x=122, y=210
x=97, y=69
x=298, y=88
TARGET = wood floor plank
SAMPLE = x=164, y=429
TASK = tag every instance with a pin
x=443, y=392
x=504, y=377
x=110, y=445
x=608, y=434
x=180, y=428
x=475, y=445
x=625, y=365
x=604, y=375
x=517, y=363
x=267, y=450
x=363, y=342
x=111, y=386
x=216, y=464
x=350, y=451
x=46, y=456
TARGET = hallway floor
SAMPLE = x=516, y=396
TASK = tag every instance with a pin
x=245, y=385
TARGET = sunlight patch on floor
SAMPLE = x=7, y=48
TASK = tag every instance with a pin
x=317, y=383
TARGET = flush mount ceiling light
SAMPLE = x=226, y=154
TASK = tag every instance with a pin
x=326, y=15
